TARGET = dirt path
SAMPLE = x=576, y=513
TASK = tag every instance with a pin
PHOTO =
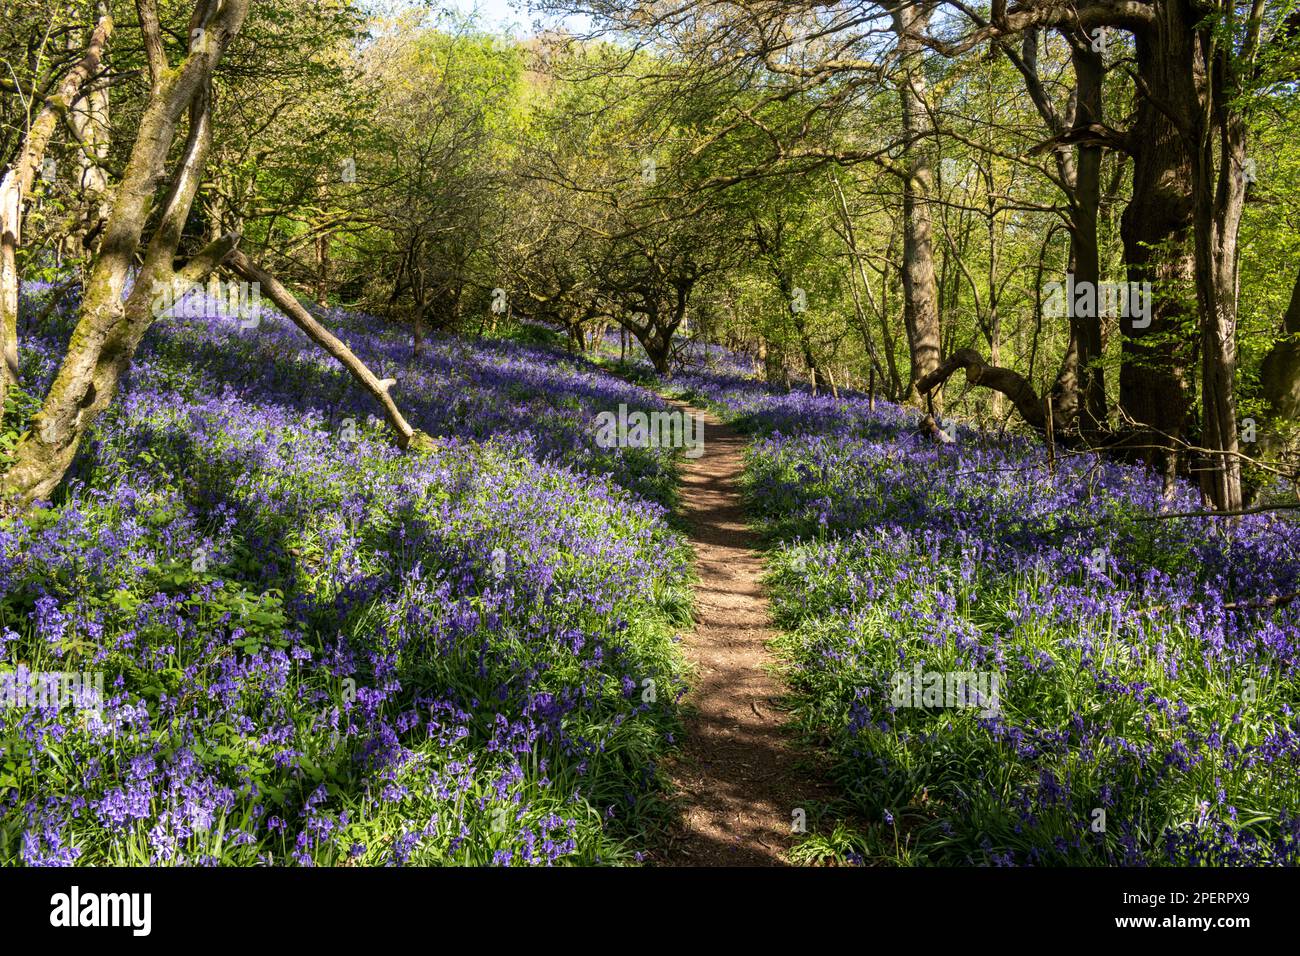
x=737, y=773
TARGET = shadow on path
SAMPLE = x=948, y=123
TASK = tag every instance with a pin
x=738, y=775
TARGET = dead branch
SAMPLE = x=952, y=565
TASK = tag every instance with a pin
x=407, y=437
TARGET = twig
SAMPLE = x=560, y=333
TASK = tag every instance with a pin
x=1260, y=509
x=1273, y=600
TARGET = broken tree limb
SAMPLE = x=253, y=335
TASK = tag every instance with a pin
x=408, y=438
x=1011, y=384
x=1272, y=600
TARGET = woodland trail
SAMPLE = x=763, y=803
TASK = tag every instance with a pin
x=739, y=776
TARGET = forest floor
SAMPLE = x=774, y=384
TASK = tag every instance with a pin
x=739, y=776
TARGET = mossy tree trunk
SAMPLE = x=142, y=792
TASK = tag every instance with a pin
x=109, y=330
x=16, y=186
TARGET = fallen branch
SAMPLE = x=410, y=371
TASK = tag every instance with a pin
x=1172, y=515
x=1273, y=600
x=408, y=438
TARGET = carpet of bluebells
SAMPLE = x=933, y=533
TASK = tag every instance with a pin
x=1141, y=720
x=318, y=650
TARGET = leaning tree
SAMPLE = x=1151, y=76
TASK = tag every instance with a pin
x=140, y=241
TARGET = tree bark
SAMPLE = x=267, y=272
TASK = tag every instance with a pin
x=407, y=437
x=1004, y=380
x=1279, y=380
x=920, y=290
x=17, y=183
x=1086, y=257
x=1156, y=233
x=109, y=330
x=88, y=122
x=322, y=269
x=1219, y=189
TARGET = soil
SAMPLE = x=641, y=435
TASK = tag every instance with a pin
x=739, y=776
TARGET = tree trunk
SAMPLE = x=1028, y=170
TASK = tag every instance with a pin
x=88, y=121
x=1189, y=157
x=1085, y=255
x=1156, y=232
x=1279, y=380
x=1219, y=190
x=856, y=270
x=774, y=367
x=15, y=186
x=109, y=330
x=1220, y=195
x=322, y=269
x=921, y=299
